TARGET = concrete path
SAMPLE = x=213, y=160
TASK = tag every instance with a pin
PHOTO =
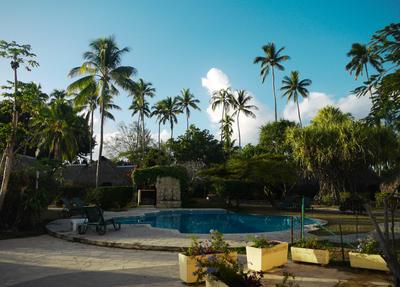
x=45, y=261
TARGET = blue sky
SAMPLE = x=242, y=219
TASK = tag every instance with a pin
x=175, y=43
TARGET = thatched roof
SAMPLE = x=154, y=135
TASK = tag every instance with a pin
x=85, y=174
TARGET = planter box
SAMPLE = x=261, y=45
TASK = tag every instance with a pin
x=317, y=256
x=215, y=283
x=368, y=261
x=188, y=265
x=263, y=259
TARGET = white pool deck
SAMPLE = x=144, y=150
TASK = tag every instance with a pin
x=146, y=237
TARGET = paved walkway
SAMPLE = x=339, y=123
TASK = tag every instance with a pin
x=46, y=261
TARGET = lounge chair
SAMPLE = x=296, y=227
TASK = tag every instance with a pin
x=94, y=217
x=72, y=207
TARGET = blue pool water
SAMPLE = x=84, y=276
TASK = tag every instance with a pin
x=202, y=221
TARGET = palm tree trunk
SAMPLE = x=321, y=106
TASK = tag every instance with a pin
x=187, y=121
x=143, y=133
x=298, y=112
x=238, y=125
x=273, y=90
x=101, y=144
x=172, y=129
x=159, y=135
x=9, y=155
x=91, y=136
x=138, y=132
x=222, y=119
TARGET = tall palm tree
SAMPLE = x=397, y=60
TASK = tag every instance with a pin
x=272, y=58
x=102, y=66
x=171, y=111
x=186, y=101
x=293, y=87
x=141, y=107
x=223, y=98
x=159, y=110
x=87, y=100
x=242, y=104
x=361, y=56
x=141, y=90
x=227, y=131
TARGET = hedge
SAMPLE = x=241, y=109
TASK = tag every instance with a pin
x=148, y=176
x=111, y=196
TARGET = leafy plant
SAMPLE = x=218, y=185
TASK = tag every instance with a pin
x=312, y=244
x=111, y=196
x=368, y=246
x=285, y=282
x=261, y=242
x=231, y=273
x=216, y=244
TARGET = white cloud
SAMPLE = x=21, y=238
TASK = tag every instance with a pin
x=249, y=127
x=358, y=107
x=215, y=80
x=164, y=135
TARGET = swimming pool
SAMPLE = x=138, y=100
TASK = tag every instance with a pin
x=202, y=221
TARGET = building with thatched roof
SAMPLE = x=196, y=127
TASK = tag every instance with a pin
x=85, y=174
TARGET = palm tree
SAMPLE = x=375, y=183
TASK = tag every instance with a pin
x=102, y=66
x=223, y=98
x=141, y=107
x=159, y=111
x=87, y=99
x=171, y=111
x=361, y=56
x=293, y=87
x=186, y=101
x=271, y=59
x=242, y=104
x=141, y=90
x=227, y=131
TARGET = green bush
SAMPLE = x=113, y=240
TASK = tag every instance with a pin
x=145, y=177
x=111, y=196
x=352, y=202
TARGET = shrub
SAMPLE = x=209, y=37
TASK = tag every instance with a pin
x=312, y=244
x=216, y=244
x=111, y=196
x=351, y=201
x=368, y=246
x=261, y=242
x=148, y=176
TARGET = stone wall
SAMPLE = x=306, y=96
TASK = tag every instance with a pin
x=168, y=192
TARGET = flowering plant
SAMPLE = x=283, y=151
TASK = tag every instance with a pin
x=368, y=246
x=312, y=244
x=229, y=272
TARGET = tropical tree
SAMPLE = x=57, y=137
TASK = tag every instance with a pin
x=362, y=56
x=273, y=135
x=337, y=150
x=102, y=66
x=160, y=112
x=87, y=100
x=222, y=98
x=171, y=111
x=292, y=87
x=227, y=131
x=141, y=90
x=186, y=100
x=18, y=55
x=241, y=104
x=272, y=58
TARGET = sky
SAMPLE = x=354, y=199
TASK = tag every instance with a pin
x=203, y=45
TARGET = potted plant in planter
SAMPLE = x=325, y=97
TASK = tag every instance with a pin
x=190, y=261
x=222, y=273
x=310, y=251
x=368, y=256
x=263, y=254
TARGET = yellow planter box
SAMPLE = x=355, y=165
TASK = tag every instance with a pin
x=188, y=265
x=215, y=283
x=368, y=261
x=263, y=259
x=317, y=256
